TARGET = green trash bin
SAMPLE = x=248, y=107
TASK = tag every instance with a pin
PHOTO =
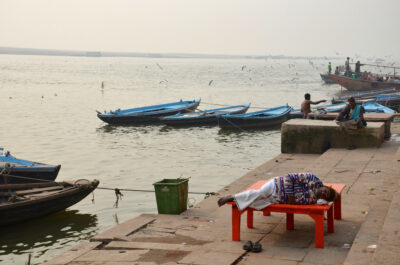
x=171, y=195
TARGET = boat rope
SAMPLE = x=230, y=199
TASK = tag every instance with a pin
x=234, y=125
x=119, y=195
x=223, y=105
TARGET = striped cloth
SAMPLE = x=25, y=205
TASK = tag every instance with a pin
x=302, y=186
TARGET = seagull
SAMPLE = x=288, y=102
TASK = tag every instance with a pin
x=244, y=66
x=209, y=83
x=159, y=66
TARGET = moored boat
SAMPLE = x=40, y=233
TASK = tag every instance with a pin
x=20, y=202
x=267, y=118
x=15, y=170
x=358, y=84
x=364, y=95
x=148, y=114
x=205, y=117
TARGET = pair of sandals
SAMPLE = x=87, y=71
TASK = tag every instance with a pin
x=249, y=246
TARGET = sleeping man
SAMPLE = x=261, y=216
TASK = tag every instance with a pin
x=294, y=188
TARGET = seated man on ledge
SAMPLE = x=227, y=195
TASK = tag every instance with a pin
x=294, y=188
x=352, y=116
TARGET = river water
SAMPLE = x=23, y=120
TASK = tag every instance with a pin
x=48, y=114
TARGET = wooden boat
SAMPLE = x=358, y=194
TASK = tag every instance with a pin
x=205, y=117
x=364, y=95
x=391, y=101
x=374, y=107
x=25, y=171
x=369, y=107
x=356, y=84
x=20, y=202
x=296, y=113
x=149, y=114
x=267, y=118
x=326, y=79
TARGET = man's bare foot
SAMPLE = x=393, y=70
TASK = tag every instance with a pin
x=224, y=200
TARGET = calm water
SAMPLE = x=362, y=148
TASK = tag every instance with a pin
x=48, y=114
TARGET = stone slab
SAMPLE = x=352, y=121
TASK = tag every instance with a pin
x=124, y=229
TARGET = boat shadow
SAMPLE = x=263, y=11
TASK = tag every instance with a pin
x=42, y=234
x=228, y=131
x=117, y=129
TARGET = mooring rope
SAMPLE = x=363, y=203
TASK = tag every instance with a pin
x=223, y=105
x=234, y=125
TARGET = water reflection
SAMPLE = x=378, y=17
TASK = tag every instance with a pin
x=113, y=129
x=40, y=235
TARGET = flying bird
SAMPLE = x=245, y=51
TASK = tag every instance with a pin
x=209, y=83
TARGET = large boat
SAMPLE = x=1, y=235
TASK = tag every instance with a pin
x=205, y=117
x=15, y=170
x=358, y=84
x=267, y=118
x=20, y=202
x=148, y=114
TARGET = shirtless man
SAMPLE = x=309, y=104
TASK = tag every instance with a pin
x=306, y=105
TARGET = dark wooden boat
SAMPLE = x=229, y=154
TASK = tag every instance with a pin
x=20, y=202
x=205, y=117
x=148, y=114
x=267, y=118
x=326, y=79
x=25, y=171
x=357, y=84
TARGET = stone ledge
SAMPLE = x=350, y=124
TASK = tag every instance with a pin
x=317, y=136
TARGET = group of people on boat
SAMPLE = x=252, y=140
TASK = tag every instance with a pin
x=357, y=74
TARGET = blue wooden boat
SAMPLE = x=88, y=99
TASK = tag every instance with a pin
x=296, y=113
x=149, y=114
x=14, y=170
x=267, y=118
x=369, y=107
x=376, y=108
x=205, y=117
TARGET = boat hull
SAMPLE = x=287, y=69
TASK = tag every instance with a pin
x=16, y=174
x=352, y=84
x=199, y=120
x=251, y=123
x=18, y=211
x=326, y=79
x=146, y=118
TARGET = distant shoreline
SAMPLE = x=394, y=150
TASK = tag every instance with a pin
x=49, y=52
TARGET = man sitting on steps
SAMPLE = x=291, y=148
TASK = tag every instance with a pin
x=294, y=188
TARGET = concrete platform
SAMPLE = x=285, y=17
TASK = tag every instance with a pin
x=317, y=136
x=368, y=234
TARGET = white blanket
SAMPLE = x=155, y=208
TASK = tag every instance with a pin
x=257, y=199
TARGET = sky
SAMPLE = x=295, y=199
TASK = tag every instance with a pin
x=253, y=27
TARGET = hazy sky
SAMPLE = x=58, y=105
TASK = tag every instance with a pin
x=259, y=27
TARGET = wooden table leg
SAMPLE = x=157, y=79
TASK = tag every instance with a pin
x=235, y=223
x=250, y=217
x=319, y=228
x=289, y=221
x=331, y=227
x=337, y=207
